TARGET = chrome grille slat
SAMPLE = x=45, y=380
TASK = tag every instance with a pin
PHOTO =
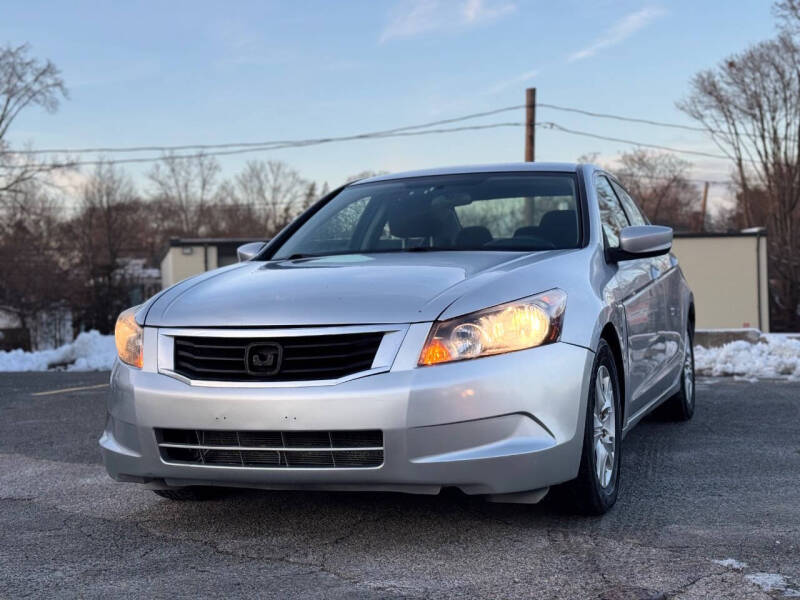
x=195, y=357
x=186, y=342
x=294, y=450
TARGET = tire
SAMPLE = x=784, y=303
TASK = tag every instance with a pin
x=595, y=489
x=187, y=494
x=680, y=407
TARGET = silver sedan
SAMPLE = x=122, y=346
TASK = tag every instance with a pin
x=496, y=329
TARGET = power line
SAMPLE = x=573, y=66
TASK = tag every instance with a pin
x=398, y=132
x=600, y=115
x=260, y=145
x=231, y=148
x=271, y=146
x=265, y=145
x=557, y=127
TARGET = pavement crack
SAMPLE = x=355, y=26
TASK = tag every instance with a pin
x=685, y=587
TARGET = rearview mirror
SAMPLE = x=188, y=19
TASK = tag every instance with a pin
x=642, y=241
x=247, y=251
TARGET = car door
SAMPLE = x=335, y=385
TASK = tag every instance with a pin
x=635, y=289
x=666, y=286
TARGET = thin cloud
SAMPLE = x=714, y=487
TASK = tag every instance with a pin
x=620, y=31
x=476, y=11
x=518, y=80
x=416, y=17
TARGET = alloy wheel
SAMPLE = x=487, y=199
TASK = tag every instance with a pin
x=605, y=425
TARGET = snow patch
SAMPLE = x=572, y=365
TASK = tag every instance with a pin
x=773, y=582
x=731, y=563
x=90, y=351
x=776, y=356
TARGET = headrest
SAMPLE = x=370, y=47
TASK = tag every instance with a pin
x=473, y=237
x=529, y=231
x=560, y=227
x=559, y=219
x=414, y=222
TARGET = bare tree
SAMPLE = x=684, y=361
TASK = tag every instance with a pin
x=24, y=82
x=750, y=106
x=274, y=190
x=99, y=233
x=659, y=182
x=230, y=217
x=189, y=185
x=788, y=13
x=33, y=272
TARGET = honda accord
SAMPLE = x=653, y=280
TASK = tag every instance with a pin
x=496, y=329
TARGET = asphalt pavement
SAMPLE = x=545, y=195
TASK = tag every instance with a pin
x=723, y=488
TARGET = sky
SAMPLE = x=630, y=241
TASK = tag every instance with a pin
x=179, y=72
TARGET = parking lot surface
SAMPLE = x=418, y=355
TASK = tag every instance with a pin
x=708, y=509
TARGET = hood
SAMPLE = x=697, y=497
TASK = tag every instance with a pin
x=334, y=290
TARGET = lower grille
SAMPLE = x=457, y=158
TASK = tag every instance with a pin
x=272, y=449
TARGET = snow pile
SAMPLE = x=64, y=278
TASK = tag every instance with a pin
x=774, y=356
x=90, y=351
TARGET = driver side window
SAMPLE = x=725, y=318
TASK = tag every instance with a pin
x=611, y=213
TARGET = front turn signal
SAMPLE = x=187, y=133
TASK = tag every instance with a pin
x=128, y=338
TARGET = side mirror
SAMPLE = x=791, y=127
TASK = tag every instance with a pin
x=247, y=251
x=642, y=241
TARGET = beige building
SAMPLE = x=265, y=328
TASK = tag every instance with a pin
x=728, y=275
x=190, y=256
x=727, y=272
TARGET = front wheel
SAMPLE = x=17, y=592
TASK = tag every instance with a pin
x=680, y=407
x=595, y=489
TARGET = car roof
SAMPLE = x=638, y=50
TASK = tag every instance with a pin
x=490, y=168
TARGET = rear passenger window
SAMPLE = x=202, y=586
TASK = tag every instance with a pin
x=611, y=214
x=635, y=216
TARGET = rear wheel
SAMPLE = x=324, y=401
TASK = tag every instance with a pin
x=595, y=489
x=680, y=407
x=188, y=494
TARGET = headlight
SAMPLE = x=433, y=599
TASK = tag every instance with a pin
x=128, y=337
x=521, y=324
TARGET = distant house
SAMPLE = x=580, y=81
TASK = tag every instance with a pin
x=185, y=257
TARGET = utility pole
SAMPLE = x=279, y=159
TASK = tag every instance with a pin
x=530, y=124
x=703, y=208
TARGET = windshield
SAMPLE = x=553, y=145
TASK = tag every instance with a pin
x=486, y=211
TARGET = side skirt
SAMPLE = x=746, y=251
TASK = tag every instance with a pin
x=643, y=412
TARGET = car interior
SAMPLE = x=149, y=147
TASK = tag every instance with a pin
x=500, y=212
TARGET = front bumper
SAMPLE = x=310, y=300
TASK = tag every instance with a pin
x=496, y=425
